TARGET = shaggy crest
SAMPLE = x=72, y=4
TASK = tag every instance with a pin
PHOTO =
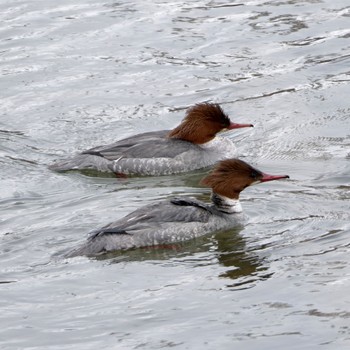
x=201, y=123
x=230, y=177
x=208, y=111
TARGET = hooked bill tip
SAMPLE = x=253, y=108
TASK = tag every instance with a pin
x=238, y=126
x=267, y=177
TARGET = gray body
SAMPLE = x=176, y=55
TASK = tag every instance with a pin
x=165, y=222
x=151, y=153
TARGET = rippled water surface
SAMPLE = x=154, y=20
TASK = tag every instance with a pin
x=79, y=73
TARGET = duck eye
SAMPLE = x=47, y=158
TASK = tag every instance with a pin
x=254, y=175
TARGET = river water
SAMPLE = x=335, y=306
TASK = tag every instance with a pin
x=79, y=73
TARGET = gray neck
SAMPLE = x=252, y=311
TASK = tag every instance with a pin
x=225, y=204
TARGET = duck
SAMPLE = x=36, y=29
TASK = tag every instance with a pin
x=180, y=218
x=192, y=145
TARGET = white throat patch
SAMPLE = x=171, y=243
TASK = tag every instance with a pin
x=225, y=204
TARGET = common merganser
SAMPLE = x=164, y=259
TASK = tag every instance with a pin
x=192, y=145
x=180, y=218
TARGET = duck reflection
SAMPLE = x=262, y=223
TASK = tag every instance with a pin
x=226, y=248
x=244, y=266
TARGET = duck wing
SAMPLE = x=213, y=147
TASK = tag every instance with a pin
x=154, y=144
x=176, y=210
x=160, y=223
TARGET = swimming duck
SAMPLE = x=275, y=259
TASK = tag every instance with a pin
x=180, y=219
x=191, y=145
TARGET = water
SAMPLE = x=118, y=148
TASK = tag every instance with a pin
x=75, y=74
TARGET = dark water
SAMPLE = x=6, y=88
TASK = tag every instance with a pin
x=75, y=74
